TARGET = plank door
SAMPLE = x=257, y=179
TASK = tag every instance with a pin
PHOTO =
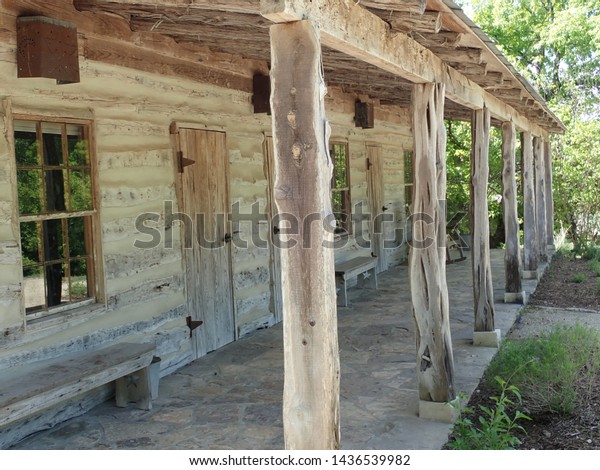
x=272, y=212
x=376, y=204
x=207, y=248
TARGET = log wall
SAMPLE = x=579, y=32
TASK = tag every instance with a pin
x=132, y=111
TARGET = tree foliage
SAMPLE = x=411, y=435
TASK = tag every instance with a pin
x=555, y=44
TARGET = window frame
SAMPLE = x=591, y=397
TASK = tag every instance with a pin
x=90, y=217
x=344, y=228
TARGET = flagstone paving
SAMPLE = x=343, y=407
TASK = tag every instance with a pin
x=231, y=399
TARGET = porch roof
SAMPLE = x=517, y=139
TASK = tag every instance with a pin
x=240, y=27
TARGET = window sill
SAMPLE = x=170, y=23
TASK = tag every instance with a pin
x=56, y=322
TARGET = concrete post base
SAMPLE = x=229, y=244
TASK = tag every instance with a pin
x=515, y=297
x=446, y=412
x=530, y=275
x=488, y=339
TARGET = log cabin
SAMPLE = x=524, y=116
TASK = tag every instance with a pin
x=181, y=173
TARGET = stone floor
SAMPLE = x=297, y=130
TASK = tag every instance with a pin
x=231, y=399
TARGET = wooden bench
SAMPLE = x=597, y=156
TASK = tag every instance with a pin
x=355, y=268
x=29, y=389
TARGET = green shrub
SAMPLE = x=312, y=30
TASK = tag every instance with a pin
x=579, y=278
x=591, y=252
x=559, y=370
x=595, y=266
x=494, y=429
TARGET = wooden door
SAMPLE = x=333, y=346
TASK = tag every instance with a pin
x=207, y=248
x=376, y=204
x=274, y=249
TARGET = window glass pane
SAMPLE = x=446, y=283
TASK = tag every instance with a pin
x=55, y=277
x=408, y=167
x=78, y=149
x=340, y=166
x=81, y=190
x=65, y=293
x=336, y=203
x=33, y=288
x=54, y=248
x=52, y=144
x=55, y=191
x=77, y=237
x=29, y=191
x=79, y=281
x=30, y=242
x=54, y=177
x=26, y=148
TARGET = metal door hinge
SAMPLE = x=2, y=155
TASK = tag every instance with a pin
x=182, y=162
x=192, y=324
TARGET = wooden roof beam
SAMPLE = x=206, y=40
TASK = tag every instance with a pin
x=412, y=7
x=458, y=54
x=441, y=39
x=428, y=22
x=471, y=71
x=352, y=30
x=237, y=6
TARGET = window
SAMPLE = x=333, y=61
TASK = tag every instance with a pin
x=56, y=210
x=340, y=187
x=408, y=180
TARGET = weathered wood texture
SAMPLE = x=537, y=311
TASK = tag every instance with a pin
x=302, y=180
x=49, y=383
x=375, y=193
x=540, y=197
x=412, y=7
x=549, y=196
x=512, y=251
x=343, y=25
x=275, y=248
x=207, y=251
x=427, y=259
x=238, y=6
x=12, y=305
x=530, y=239
x=480, y=225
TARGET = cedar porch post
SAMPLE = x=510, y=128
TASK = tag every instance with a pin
x=427, y=258
x=513, y=291
x=549, y=198
x=303, y=172
x=540, y=197
x=530, y=250
x=485, y=333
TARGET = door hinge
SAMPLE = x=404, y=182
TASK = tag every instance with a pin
x=192, y=324
x=182, y=162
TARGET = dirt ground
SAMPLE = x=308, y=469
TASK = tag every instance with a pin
x=560, y=299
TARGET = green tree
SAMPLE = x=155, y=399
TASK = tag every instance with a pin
x=555, y=44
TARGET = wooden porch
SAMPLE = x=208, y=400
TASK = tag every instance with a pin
x=232, y=399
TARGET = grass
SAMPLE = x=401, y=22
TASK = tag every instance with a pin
x=552, y=371
x=579, y=278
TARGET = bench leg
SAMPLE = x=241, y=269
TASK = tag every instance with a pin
x=342, y=299
x=360, y=280
x=373, y=278
x=134, y=388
